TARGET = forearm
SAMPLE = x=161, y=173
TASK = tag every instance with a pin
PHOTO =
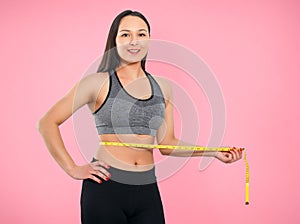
x=183, y=152
x=51, y=135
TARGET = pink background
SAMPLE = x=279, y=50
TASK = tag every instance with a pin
x=252, y=47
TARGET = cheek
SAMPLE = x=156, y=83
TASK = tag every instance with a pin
x=122, y=43
x=121, y=47
x=145, y=44
x=122, y=51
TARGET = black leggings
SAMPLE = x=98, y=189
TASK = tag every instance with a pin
x=129, y=197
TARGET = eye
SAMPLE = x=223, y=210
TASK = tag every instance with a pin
x=124, y=35
x=142, y=34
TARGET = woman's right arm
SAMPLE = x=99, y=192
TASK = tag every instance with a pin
x=83, y=92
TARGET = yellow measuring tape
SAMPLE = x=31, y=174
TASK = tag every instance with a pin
x=184, y=147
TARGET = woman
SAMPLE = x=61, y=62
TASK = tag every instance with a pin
x=129, y=105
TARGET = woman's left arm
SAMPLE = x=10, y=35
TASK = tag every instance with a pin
x=165, y=134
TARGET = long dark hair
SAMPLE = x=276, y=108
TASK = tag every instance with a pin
x=111, y=58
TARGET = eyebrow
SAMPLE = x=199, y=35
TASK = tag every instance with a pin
x=129, y=30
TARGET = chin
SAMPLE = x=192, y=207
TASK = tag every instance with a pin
x=131, y=61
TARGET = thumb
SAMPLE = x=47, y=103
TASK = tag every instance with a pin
x=226, y=156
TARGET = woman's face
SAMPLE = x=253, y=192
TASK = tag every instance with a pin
x=132, y=40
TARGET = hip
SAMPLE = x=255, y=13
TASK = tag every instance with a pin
x=130, y=177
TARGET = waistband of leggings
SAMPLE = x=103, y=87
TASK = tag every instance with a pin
x=131, y=177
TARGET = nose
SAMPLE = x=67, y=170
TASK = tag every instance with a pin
x=133, y=40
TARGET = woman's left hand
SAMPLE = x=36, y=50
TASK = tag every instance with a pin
x=230, y=156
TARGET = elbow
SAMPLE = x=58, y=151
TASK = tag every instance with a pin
x=167, y=141
x=165, y=152
x=40, y=125
x=45, y=123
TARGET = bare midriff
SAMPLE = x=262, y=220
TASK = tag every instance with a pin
x=124, y=157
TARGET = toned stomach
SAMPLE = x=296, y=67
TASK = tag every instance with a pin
x=124, y=157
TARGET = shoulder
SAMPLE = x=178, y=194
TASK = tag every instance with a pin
x=95, y=77
x=93, y=83
x=94, y=80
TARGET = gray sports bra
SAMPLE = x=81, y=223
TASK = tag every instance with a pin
x=122, y=113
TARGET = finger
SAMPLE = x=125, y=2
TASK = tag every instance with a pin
x=226, y=157
x=240, y=153
x=100, y=174
x=95, y=178
x=235, y=154
x=101, y=169
x=101, y=163
x=229, y=155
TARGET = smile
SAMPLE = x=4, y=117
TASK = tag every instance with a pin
x=134, y=51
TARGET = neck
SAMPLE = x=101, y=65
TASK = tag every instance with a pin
x=130, y=71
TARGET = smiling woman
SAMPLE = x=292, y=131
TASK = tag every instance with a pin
x=132, y=37
x=129, y=105
x=127, y=29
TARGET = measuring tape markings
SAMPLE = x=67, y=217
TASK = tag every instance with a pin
x=198, y=148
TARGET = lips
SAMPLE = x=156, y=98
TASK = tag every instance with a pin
x=134, y=51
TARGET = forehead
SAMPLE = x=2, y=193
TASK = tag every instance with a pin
x=132, y=23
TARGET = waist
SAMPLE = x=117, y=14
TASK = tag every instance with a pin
x=126, y=138
x=131, y=177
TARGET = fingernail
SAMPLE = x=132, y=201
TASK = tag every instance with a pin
x=100, y=182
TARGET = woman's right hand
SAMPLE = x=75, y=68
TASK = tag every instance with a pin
x=86, y=171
